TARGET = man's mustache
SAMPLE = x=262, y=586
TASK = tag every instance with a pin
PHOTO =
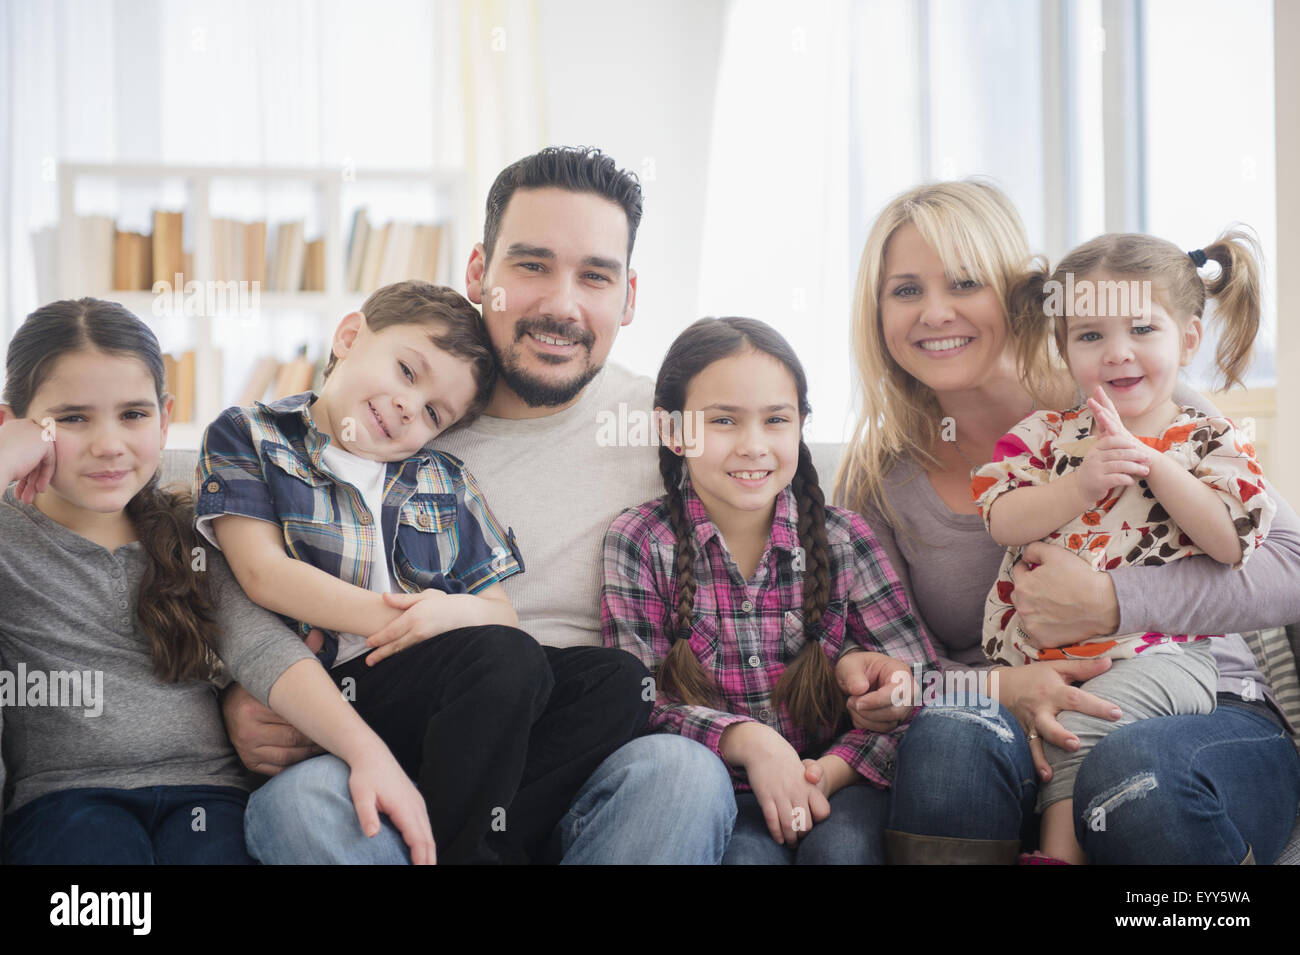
x=542, y=326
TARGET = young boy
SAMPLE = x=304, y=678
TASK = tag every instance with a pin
x=333, y=513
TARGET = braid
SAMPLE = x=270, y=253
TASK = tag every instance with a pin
x=682, y=675
x=812, y=538
x=808, y=687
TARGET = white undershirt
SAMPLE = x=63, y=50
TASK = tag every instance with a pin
x=368, y=478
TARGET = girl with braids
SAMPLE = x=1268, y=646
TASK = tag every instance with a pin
x=740, y=588
x=106, y=593
x=1128, y=477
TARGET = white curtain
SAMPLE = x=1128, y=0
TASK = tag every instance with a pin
x=824, y=111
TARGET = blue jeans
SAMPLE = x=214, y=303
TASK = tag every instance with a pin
x=658, y=799
x=156, y=825
x=1180, y=790
x=853, y=834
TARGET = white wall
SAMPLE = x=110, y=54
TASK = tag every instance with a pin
x=647, y=100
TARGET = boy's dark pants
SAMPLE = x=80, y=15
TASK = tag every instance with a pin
x=498, y=732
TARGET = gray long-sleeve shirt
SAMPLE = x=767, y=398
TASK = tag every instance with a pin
x=69, y=605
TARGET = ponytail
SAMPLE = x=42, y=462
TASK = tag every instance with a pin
x=175, y=604
x=1236, y=294
x=1033, y=330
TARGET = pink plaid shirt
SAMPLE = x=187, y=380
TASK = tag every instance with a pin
x=745, y=632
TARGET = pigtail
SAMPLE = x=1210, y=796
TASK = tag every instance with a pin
x=807, y=687
x=175, y=604
x=1034, y=330
x=1236, y=294
x=682, y=675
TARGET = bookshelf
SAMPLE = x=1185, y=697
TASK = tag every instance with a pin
x=334, y=194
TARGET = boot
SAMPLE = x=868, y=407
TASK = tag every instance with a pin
x=903, y=848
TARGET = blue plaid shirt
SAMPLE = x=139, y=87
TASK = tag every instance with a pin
x=264, y=462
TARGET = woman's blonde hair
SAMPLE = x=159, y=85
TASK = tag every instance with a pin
x=1177, y=283
x=977, y=234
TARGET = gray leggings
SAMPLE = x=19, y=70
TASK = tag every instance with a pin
x=1156, y=683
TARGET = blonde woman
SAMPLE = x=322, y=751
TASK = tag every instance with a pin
x=936, y=354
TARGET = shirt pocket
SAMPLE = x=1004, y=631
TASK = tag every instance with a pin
x=427, y=545
x=795, y=635
x=301, y=495
x=705, y=632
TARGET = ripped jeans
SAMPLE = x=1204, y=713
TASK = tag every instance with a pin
x=1182, y=790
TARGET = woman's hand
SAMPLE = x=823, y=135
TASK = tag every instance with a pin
x=26, y=455
x=1062, y=596
x=881, y=691
x=378, y=784
x=1036, y=693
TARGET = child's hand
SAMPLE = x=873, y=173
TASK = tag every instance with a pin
x=28, y=457
x=378, y=784
x=425, y=616
x=791, y=803
x=1117, y=460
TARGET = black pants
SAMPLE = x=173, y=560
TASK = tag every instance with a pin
x=497, y=731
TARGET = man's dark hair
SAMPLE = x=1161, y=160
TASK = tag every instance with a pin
x=576, y=168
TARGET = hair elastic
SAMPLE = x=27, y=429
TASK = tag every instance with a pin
x=1198, y=256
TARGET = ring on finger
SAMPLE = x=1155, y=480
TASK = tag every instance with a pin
x=1033, y=735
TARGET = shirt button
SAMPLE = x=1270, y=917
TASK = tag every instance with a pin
x=117, y=571
x=122, y=604
x=365, y=517
x=747, y=606
x=213, y=487
x=754, y=661
x=765, y=715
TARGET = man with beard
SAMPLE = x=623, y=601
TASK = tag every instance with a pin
x=552, y=276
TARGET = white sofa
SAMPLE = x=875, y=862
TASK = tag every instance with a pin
x=1277, y=649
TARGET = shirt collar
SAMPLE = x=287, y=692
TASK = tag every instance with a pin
x=785, y=519
x=292, y=416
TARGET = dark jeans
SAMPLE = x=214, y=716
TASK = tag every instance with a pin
x=498, y=732
x=1177, y=790
x=156, y=825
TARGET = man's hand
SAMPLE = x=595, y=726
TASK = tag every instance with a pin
x=265, y=743
x=881, y=691
x=1062, y=600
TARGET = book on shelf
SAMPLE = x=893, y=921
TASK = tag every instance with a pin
x=360, y=235
x=294, y=377
x=379, y=255
x=168, y=252
x=132, y=261
x=179, y=373
x=313, y=270
x=260, y=378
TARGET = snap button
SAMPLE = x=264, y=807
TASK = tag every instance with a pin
x=754, y=661
x=765, y=715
